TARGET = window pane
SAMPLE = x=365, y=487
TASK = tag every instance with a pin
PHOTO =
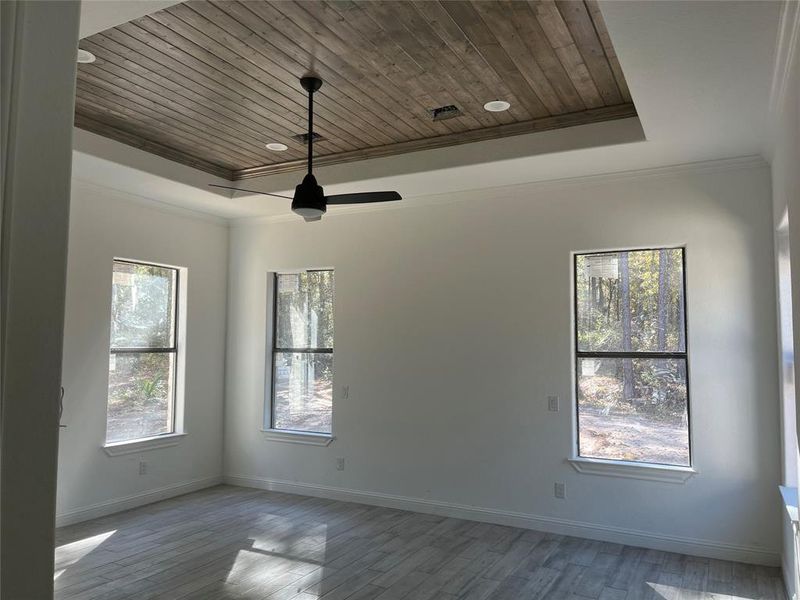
x=631, y=301
x=142, y=306
x=140, y=391
x=633, y=409
x=304, y=310
x=303, y=391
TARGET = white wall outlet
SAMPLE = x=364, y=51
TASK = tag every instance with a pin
x=345, y=392
x=552, y=403
x=340, y=464
x=142, y=467
x=560, y=490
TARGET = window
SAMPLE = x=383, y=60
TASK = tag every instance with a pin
x=302, y=352
x=143, y=355
x=631, y=367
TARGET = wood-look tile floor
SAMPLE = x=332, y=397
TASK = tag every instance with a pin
x=231, y=542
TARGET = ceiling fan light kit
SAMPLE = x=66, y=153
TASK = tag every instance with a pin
x=310, y=201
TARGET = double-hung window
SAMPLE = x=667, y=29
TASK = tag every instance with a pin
x=143, y=353
x=302, y=352
x=631, y=362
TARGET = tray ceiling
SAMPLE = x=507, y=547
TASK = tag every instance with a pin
x=208, y=84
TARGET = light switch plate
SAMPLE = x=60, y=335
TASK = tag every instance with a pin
x=560, y=490
x=552, y=403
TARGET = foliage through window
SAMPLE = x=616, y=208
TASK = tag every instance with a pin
x=631, y=366
x=142, y=360
x=302, y=352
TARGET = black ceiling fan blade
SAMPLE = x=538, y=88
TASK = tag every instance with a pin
x=363, y=198
x=227, y=187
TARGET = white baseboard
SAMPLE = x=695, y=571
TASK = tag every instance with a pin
x=115, y=505
x=606, y=533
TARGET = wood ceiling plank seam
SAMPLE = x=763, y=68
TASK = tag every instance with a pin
x=438, y=47
x=149, y=108
x=359, y=51
x=405, y=72
x=228, y=72
x=166, y=135
x=179, y=70
x=594, y=115
x=330, y=36
x=142, y=77
x=473, y=27
x=153, y=93
x=581, y=26
x=605, y=39
x=452, y=35
x=210, y=78
x=348, y=119
x=121, y=120
x=560, y=38
x=276, y=71
x=472, y=114
x=531, y=34
x=106, y=130
x=519, y=53
x=338, y=75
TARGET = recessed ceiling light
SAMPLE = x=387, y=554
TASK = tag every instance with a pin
x=277, y=147
x=85, y=57
x=496, y=106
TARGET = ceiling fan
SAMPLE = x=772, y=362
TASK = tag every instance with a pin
x=309, y=200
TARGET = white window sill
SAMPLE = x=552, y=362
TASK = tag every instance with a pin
x=144, y=444
x=297, y=437
x=632, y=470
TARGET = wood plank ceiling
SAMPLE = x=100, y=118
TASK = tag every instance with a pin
x=208, y=84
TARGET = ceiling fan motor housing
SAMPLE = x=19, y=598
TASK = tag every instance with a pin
x=309, y=199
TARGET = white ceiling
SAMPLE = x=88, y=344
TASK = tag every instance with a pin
x=699, y=73
x=98, y=15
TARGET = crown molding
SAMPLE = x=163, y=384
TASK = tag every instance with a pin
x=165, y=207
x=586, y=117
x=500, y=192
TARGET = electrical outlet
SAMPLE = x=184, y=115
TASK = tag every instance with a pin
x=340, y=464
x=142, y=468
x=552, y=403
x=560, y=490
x=345, y=392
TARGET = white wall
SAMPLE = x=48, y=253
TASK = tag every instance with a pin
x=38, y=44
x=453, y=325
x=104, y=225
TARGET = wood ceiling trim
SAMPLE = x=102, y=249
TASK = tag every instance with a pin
x=608, y=48
x=595, y=115
x=160, y=93
x=143, y=116
x=216, y=80
x=102, y=128
x=146, y=72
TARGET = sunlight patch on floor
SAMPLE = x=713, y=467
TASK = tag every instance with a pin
x=672, y=592
x=67, y=554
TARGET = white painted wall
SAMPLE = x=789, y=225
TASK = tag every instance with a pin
x=38, y=44
x=453, y=325
x=105, y=224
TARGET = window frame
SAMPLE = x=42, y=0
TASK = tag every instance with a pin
x=610, y=466
x=116, y=447
x=291, y=435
